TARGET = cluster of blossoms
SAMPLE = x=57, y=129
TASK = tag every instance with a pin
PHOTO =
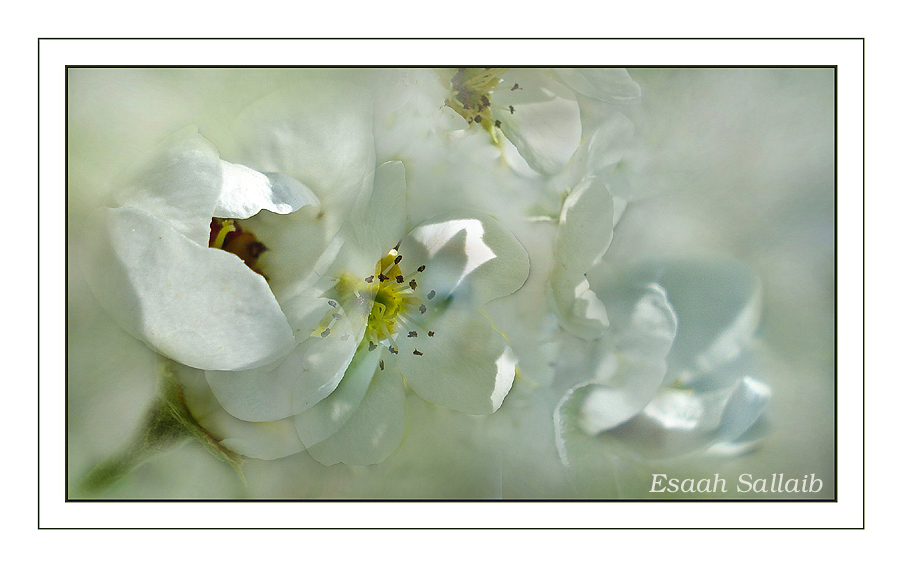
x=359, y=234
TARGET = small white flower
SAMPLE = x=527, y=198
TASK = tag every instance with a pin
x=541, y=114
x=537, y=110
x=669, y=377
x=152, y=267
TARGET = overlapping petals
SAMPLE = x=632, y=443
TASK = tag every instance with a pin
x=667, y=379
x=151, y=267
x=343, y=383
x=541, y=110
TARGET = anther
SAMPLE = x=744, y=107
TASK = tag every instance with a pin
x=412, y=335
x=430, y=295
x=369, y=279
x=511, y=107
x=422, y=309
x=421, y=268
x=398, y=259
x=497, y=124
x=381, y=365
x=336, y=316
x=332, y=303
x=382, y=277
x=372, y=346
x=392, y=350
x=418, y=353
x=413, y=284
x=515, y=87
x=478, y=118
x=325, y=333
x=399, y=279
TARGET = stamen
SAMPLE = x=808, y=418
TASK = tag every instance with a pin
x=225, y=227
x=226, y=235
x=430, y=295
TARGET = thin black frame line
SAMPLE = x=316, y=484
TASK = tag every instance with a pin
x=834, y=499
x=38, y=256
x=508, y=500
x=476, y=39
x=863, y=310
x=203, y=66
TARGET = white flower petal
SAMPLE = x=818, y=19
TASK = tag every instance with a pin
x=584, y=234
x=467, y=365
x=308, y=374
x=605, y=406
x=246, y=192
x=650, y=331
x=604, y=84
x=745, y=406
x=179, y=184
x=374, y=431
x=329, y=415
x=627, y=369
x=267, y=440
x=318, y=131
x=378, y=220
x=545, y=124
x=750, y=440
x=469, y=255
x=682, y=421
x=717, y=303
x=294, y=243
x=197, y=305
x=606, y=146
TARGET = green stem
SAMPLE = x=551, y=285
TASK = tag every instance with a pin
x=168, y=423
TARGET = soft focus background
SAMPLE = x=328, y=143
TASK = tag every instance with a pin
x=731, y=161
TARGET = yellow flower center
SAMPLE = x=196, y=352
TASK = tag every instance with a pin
x=388, y=299
x=471, y=93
